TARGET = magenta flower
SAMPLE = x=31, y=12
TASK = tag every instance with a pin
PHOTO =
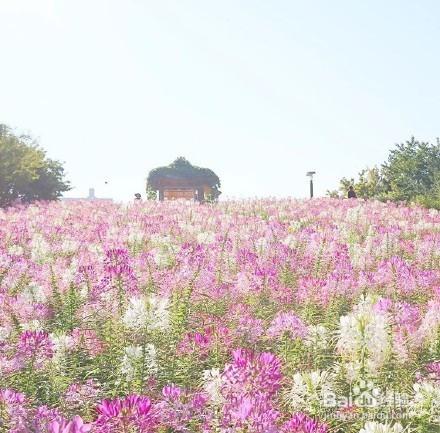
x=249, y=383
x=9, y=396
x=179, y=408
x=132, y=411
x=302, y=423
x=172, y=392
x=433, y=370
x=16, y=410
x=34, y=347
x=76, y=425
x=80, y=395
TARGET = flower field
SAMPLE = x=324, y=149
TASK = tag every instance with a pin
x=266, y=316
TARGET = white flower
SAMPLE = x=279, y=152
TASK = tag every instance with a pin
x=15, y=250
x=151, y=313
x=309, y=389
x=4, y=333
x=69, y=246
x=62, y=343
x=317, y=337
x=261, y=245
x=426, y=401
x=243, y=284
x=364, y=331
x=161, y=240
x=34, y=293
x=159, y=314
x=162, y=257
x=132, y=361
x=95, y=249
x=296, y=225
x=377, y=427
x=430, y=325
x=212, y=384
x=355, y=214
x=32, y=325
x=83, y=290
x=205, y=237
x=188, y=228
x=290, y=241
x=136, y=315
x=40, y=249
x=69, y=272
x=135, y=236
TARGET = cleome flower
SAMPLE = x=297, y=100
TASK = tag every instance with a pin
x=35, y=347
x=287, y=323
x=136, y=357
x=426, y=400
x=309, y=390
x=376, y=427
x=151, y=313
x=122, y=414
x=364, y=332
x=212, y=382
x=76, y=425
x=302, y=423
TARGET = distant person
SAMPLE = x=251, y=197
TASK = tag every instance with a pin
x=351, y=192
x=137, y=197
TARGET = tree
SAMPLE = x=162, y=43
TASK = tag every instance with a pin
x=411, y=174
x=369, y=185
x=26, y=174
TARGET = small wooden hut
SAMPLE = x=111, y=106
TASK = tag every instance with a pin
x=181, y=179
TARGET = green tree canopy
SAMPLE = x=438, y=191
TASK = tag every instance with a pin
x=26, y=174
x=411, y=174
x=370, y=184
x=182, y=170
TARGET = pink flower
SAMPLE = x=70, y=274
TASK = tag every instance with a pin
x=76, y=425
x=87, y=340
x=35, y=347
x=433, y=370
x=133, y=411
x=179, y=407
x=302, y=423
x=171, y=392
x=249, y=383
x=287, y=323
x=11, y=397
x=80, y=395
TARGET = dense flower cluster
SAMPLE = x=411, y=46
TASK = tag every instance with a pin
x=264, y=316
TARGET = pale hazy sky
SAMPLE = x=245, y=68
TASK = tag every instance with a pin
x=259, y=91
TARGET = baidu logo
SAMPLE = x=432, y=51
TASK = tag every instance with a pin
x=364, y=394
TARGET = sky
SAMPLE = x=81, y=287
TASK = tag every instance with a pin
x=259, y=91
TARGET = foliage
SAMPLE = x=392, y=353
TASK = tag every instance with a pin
x=26, y=174
x=411, y=174
x=370, y=184
x=151, y=193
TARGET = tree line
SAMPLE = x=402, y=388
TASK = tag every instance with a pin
x=410, y=174
x=26, y=173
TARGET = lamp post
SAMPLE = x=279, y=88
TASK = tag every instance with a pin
x=310, y=174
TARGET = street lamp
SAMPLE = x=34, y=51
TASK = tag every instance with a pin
x=310, y=174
